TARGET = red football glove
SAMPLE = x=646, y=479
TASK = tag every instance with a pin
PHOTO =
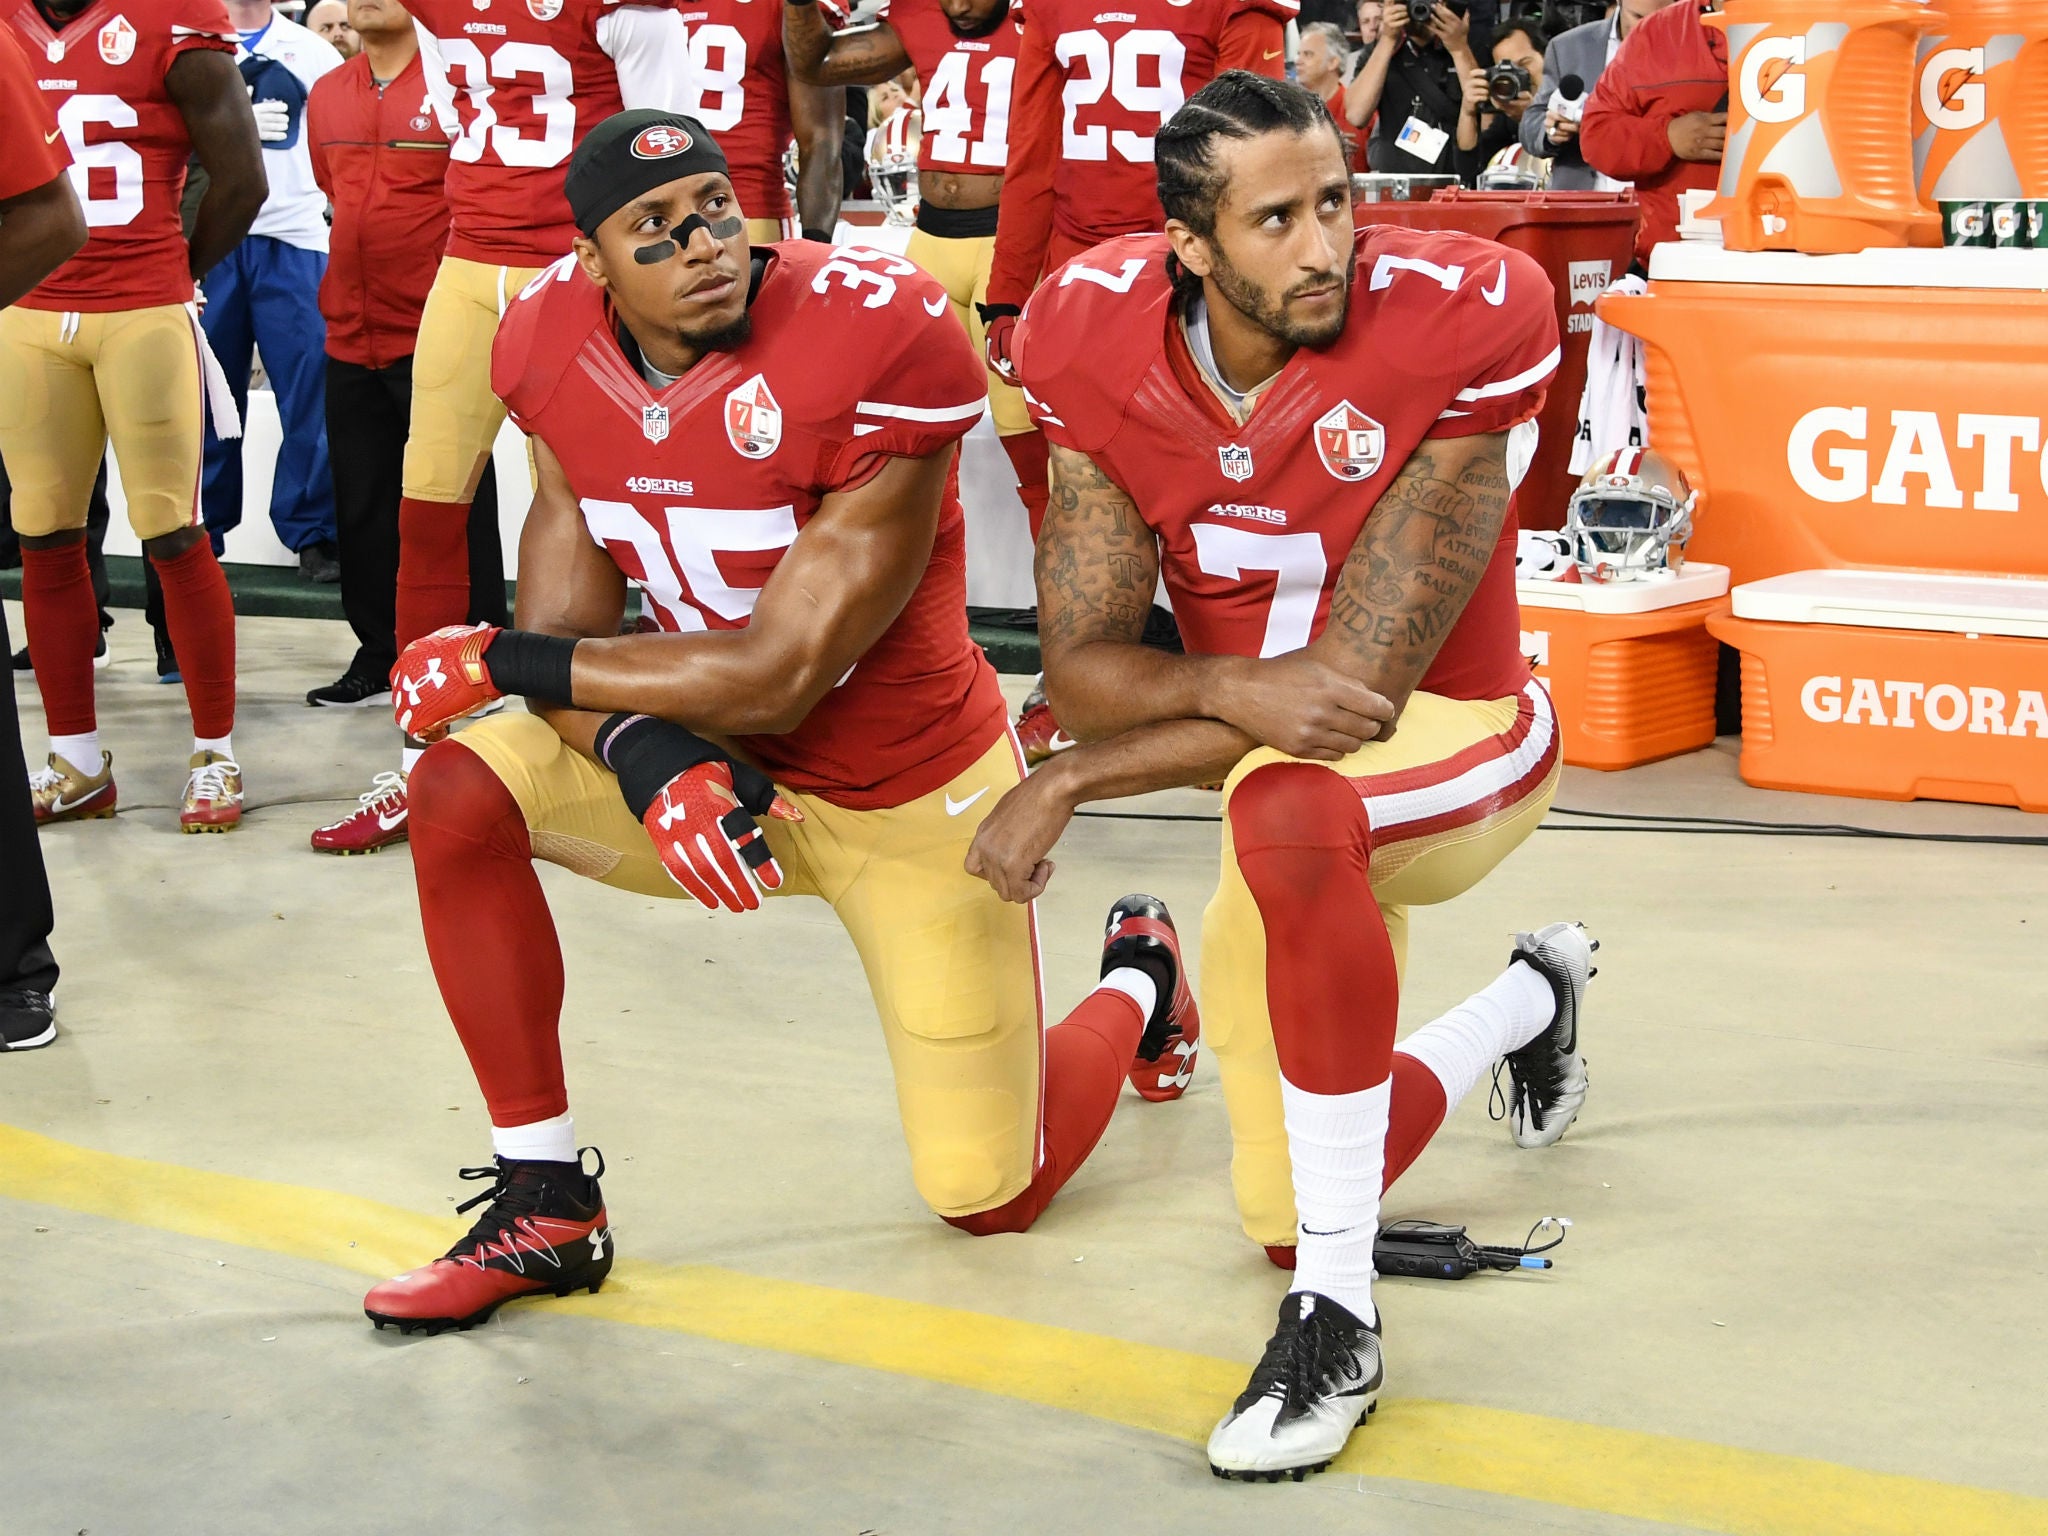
x=440, y=678
x=996, y=334
x=708, y=841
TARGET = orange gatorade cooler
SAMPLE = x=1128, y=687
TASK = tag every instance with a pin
x=1629, y=665
x=1820, y=148
x=1894, y=685
x=1980, y=104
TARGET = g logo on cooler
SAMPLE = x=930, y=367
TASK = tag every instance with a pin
x=663, y=141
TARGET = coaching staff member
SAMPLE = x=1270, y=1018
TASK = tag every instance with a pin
x=381, y=158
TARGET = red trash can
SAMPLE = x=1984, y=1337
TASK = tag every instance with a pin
x=1583, y=240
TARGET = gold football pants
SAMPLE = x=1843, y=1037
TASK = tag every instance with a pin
x=70, y=383
x=961, y=268
x=455, y=417
x=952, y=968
x=1449, y=795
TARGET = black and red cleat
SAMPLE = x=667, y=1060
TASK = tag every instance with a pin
x=544, y=1232
x=1141, y=933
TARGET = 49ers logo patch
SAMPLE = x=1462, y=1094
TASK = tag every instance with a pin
x=1350, y=443
x=753, y=421
x=657, y=143
x=543, y=10
x=117, y=41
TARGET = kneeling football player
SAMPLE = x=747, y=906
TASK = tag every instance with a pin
x=761, y=439
x=1306, y=430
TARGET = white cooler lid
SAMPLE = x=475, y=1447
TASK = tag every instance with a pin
x=1698, y=261
x=1988, y=605
x=1693, y=582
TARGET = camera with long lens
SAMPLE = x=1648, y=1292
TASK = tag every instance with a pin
x=1506, y=84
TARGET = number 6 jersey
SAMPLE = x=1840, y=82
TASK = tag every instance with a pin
x=102, y=76
x=696, y=491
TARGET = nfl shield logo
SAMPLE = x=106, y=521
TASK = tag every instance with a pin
x=1350, y=443
x=753, y=421
x=654, y=422
x=1236, y=462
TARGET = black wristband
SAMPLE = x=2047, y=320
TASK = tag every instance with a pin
x=812, y=234
x=993, y=312
x=537, y=666
x=646, y=753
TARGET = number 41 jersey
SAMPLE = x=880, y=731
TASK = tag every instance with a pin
x=102, y=76
x=1447, y=336
x=697, y=491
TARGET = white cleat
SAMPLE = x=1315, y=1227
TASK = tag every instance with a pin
x=1547, y=1077
x=1319, y=1379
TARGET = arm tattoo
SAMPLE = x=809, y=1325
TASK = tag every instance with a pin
x=864, y=55
x=1097, y=562
x=1416, y=562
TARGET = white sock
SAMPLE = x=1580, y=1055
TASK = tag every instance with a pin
x=407, y=757
x=1134, y=984
x=1459, y=1047
x=541, y=1141
x=81, y=752
x=1338, y=1142
x=220, y=746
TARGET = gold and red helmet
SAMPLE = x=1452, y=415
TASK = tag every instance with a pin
x=1631, y=507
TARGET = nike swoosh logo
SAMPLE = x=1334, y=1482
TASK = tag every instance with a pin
x=62, y=805
x=1499, y=291
x=386, y=823
x=937, y=305
x=1061, y=741
x=1273, y=53
x=955, y=807
x=51, y=137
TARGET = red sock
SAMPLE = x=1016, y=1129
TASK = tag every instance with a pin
x=1087, y=1057
x=1414, y=1113
x=489, y=933
x=1027, y=453
x=433, y=566
x=63, y=629
x=199, y=612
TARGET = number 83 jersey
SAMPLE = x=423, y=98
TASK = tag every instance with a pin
x=1447, y=336
x=697, y=491
x=102, y=76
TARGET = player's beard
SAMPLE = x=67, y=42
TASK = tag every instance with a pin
x=1270, y=314
x=729, y=337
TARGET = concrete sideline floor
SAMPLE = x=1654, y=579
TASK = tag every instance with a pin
x=1806, y=1191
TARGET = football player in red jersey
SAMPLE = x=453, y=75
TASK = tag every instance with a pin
x=748, y=95
x=516, y=84
x=763, y=441
x=107, y=348
x=1309, y=431
x=965, y=55
x=1093, y=85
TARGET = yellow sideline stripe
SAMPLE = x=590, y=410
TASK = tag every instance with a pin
x=1581, y=1466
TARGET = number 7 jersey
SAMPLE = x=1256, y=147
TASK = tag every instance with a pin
x=102, y=76
x=697, y=491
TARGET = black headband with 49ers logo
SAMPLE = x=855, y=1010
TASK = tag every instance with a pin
x=630, y=154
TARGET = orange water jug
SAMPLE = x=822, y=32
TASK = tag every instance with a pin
x=1980, y=104
x=1820, y=134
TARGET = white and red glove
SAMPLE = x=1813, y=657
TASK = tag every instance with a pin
x=710, y=843
x=999, y=324
x=440, y=678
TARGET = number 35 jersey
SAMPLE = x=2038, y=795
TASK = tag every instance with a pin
x=1448, y=336
x=698, y=491
x=516, y=85
x=102, y=76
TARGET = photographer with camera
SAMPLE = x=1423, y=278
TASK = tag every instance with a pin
x=1490, y=119
x=1413, y=80
x=1572, y=66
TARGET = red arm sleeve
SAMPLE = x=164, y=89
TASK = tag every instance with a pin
x=32, y=152
x=1622, y=134
x=1253, y=40
x=1024, y=224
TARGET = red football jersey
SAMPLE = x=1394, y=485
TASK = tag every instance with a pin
x=1094, y=82
x=742, y=95
x=32, y=149
x=697, y=491
x=1448, y=335
x=102, y=77
x=517, y=84
x=966, y=83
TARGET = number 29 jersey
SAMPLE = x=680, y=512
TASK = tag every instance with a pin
x=102, y=76
x=697, y=491
x=1447, y=336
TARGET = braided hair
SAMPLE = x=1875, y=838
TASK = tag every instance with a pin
x=1237, y=104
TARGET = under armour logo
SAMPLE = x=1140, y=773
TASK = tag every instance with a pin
x=1185, y=1073
x=597, y=1242
x=672, y=811
x=413, y=685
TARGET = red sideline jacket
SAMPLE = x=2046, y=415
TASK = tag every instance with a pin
x=381, y=158
x=1670, y=65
